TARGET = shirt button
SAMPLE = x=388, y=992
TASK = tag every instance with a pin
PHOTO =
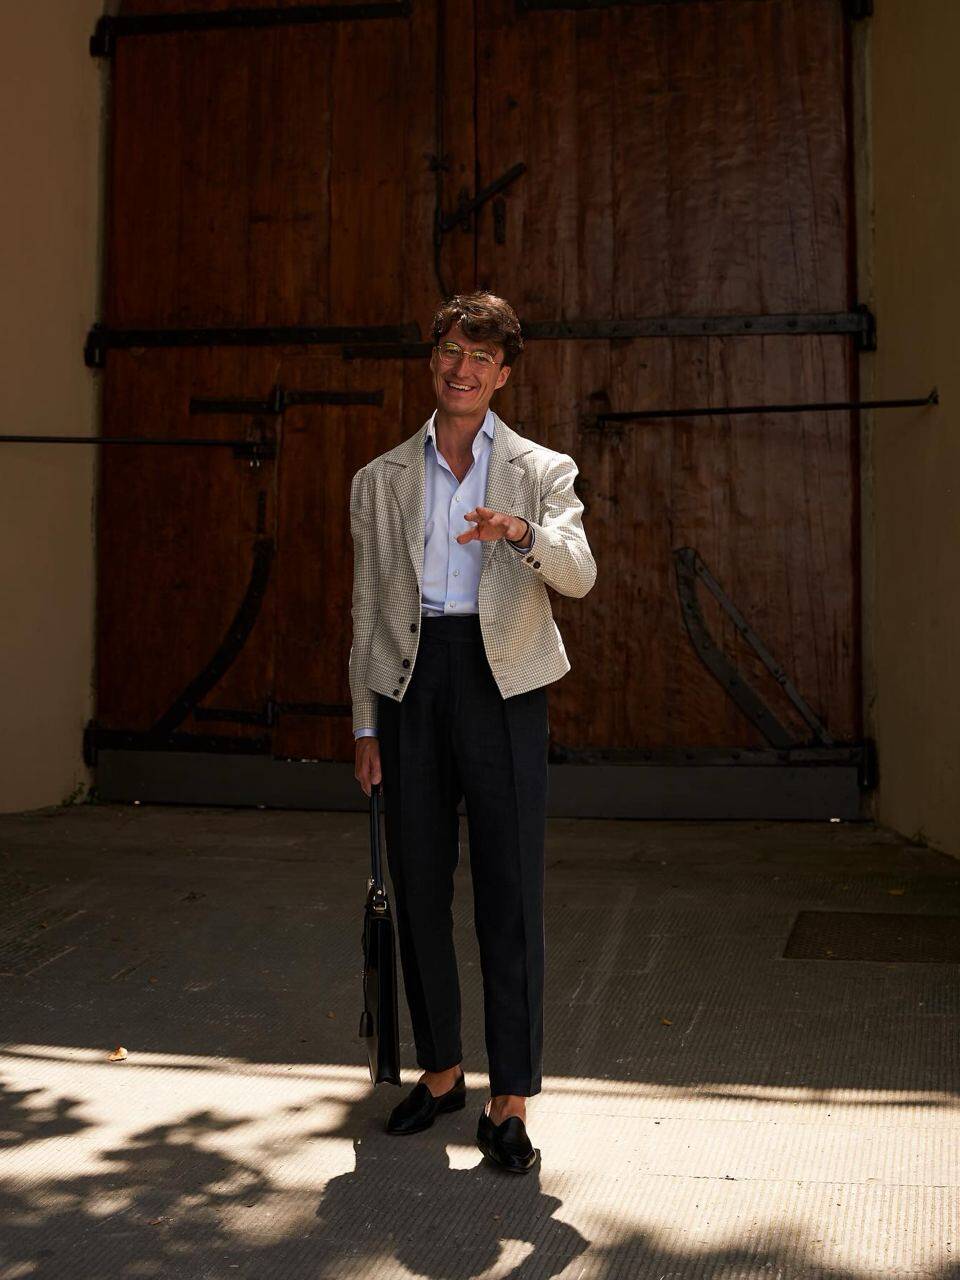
x=457, y=498
x=406, y=662
x=456, y=573
x=413, y=626
x=453, y=604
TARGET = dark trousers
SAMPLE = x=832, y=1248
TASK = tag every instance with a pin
x=454, y=736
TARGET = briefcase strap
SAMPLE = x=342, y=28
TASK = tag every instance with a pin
x=376, y=860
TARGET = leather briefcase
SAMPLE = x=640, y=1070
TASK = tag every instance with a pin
x=379, y=1022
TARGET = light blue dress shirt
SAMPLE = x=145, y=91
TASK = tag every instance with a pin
x=451, y=569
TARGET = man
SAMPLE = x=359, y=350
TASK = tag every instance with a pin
x=457, y=533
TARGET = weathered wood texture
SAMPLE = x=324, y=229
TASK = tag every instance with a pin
x=682, y=159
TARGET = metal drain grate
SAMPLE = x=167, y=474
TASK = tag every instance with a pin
x=874, y=935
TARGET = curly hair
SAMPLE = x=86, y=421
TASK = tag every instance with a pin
x=483, y=317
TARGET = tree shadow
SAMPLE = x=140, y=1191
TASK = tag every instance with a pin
x=21, y=1121
x=405, y=1200
x=168, y=1204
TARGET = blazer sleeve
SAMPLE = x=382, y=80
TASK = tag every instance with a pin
x=365, y=600
x=561, y=554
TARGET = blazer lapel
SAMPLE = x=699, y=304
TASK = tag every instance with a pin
x=408, y=486
x=503, y=478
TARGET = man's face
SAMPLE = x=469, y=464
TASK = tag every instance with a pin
x=463, y=384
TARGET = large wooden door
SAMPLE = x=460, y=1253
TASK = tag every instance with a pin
x=288, y=199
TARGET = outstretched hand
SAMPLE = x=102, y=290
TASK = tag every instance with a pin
x=489, y=525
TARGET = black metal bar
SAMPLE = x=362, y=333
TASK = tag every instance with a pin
x=103, y=338
x=689, y=567
x=725, y=411
x=110, y=28
x=859, y=324
x=281, y=399
x=229, y=647
x=718, y=664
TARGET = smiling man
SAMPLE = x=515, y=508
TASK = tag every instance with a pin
x=458, y=532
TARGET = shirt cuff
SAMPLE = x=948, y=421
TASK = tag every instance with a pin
x=364, y=733
x=533, y=537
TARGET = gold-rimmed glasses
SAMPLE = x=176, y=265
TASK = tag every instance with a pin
x=450, y=353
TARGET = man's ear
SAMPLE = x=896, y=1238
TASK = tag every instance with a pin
x=504, y=375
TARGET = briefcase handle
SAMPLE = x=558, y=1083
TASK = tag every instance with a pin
x=379, y=901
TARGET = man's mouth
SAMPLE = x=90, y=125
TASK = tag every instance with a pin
x=458, y=386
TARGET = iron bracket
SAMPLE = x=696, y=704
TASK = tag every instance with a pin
x=690, y=567
x=467, y=206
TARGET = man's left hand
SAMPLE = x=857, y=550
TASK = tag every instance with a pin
x=489, y=525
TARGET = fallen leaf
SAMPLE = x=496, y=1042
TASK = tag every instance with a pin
x=331, y=1014
x=118, y=1054
x=666, y=1022
x=151, y=979
x=156, y=1221
x=896, y=893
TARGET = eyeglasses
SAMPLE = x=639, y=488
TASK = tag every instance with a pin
x=450, y=352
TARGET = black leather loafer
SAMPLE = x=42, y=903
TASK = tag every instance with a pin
x=420, y=1108
x=506, y=1143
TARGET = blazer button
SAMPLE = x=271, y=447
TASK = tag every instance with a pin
x=406, y=662
x=529, y=559
x=536, y=564
x=400, y=679
x=413, y=626
x=396, y=693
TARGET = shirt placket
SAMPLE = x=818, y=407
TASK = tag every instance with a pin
x=457, y=557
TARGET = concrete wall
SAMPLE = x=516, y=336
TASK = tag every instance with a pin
x=912, y=457
x=50, y=231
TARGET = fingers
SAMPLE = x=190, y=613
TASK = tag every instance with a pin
x=488, y=525
x=367, y=767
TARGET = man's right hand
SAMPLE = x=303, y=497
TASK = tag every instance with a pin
x=367, y=766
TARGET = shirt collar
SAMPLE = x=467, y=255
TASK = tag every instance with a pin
x=486, y=428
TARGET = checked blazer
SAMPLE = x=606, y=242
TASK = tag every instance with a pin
x=522, y=642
